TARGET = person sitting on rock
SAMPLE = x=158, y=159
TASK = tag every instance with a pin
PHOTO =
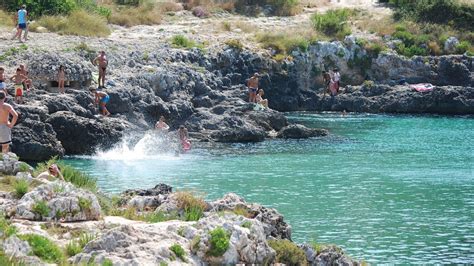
x=260, y=100
x=252, y=85
x=102, y=99
x=52, y=172
x=161, y=125
x=19, y=80
x=184, y=138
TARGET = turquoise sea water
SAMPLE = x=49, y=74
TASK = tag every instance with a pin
x=388, y=189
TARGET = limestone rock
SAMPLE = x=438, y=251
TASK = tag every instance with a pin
x=64, y=202
x=272, y=221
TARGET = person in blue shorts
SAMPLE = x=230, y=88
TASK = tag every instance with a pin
x=102, y=99
x=22, y=22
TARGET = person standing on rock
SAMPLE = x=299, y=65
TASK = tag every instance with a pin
x=6, y=124
x=101, y=98
x=252, y=85
x=22, y=19
x=337, y=79
x=327, y=81
x=101, y=61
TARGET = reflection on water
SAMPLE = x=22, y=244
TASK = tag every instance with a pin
x=393, y=189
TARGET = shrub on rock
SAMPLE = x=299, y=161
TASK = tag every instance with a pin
x=288, y=252
x=44, y=248
x=219, y=242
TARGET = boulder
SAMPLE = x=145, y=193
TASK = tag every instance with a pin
x=328, y=255
x=36, y=141
x=80, y=135
x=272, y=221
x=297, y=131
x=58, y=201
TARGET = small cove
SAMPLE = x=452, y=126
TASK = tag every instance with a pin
x=387, y=188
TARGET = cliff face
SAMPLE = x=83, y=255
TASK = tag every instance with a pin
x=205, y=91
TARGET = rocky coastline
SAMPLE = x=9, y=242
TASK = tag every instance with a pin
x=205, y=91
x=142, y=227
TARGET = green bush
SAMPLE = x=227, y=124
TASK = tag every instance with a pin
x=21, y=188
x=44, y=248
x=85, y=204
x=460, y=15
x=107, y=262
x=333, y=22
x=41, y=208
x=463, y=47
x=37, y=8
x=179, y=252
x=219, y=242
x=288, y=252
x=24, y=167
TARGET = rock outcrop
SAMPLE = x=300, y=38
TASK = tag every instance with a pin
x=58, y=201
x=149, y=244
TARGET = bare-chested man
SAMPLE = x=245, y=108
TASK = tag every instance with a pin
x=5, y=124
x=101, y=61
x=252, y=84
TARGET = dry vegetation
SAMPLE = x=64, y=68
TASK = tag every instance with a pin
x=6, y=19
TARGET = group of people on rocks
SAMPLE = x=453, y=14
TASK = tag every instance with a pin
x=332, y=81
x=255, y=93
x=20, y=80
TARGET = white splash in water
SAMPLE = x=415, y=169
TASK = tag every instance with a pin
x=151, y=146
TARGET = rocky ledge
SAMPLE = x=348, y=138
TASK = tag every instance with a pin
x=142, y=227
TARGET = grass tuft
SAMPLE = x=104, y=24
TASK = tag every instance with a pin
x=132, y=16
x=6, y=19
x=181, y=41
x=193, y=206
x=21, y=188
x=41, y=208
x=44, y=248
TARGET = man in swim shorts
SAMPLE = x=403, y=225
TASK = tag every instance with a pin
x=102, y=99
x=252, y=84
x=5, y=124
x=101, y=61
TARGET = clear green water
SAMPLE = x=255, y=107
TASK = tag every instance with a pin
x=389, y=189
